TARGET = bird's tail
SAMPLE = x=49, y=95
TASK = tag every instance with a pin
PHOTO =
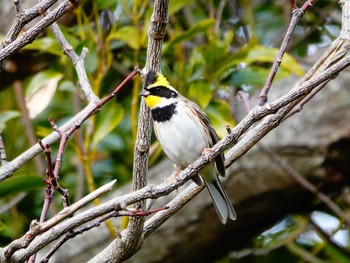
x=221, y=201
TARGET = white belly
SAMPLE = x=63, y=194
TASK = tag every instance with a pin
x=182, y=138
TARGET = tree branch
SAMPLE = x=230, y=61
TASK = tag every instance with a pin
x=131, y=239
x=32, y=33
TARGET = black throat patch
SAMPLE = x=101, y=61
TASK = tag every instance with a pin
x=164, y=114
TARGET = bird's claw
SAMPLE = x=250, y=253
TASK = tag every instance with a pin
x=173, y=176
x=206, y=152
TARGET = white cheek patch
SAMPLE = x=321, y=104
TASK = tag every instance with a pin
x=166, y=102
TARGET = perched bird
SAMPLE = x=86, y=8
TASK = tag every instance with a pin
x=184, y=132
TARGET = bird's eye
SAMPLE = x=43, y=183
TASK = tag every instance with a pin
x=158, y=89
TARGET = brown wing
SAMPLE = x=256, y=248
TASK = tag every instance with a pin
x=219, y=160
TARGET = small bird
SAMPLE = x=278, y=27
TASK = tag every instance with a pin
x=184, y=132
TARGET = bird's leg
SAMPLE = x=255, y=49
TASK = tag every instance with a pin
x=172, y=177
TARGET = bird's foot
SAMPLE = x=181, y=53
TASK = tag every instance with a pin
x=206, y=152
x=173, y=176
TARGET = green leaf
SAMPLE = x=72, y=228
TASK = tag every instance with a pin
x=130, y=35
x=189, y=34
x=175, y=6
x=40, y=91
x=91, y=61
x=255, y=76
x=47, y=44
x=106, y=120
x=6, y=116
x=265, y=54
x=201, y=92
x=42, y=131
x=20, y=183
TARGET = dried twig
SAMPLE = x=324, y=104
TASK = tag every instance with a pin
x=3, y=157
x=131, y=239
x=72, y=125
x=23, y=17
x=329, y=239
x=296, y=15
x=36, y=228
x=174, y=205
x=32, y=33
x=27, y=122
x=77, y=61
x=97, y=223
x=306, y=184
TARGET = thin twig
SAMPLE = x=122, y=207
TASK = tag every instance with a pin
x=296, y=15
x=23, y=17
x=51, y=184
x=77, y=61
x=3, y=157
x=305, y=183
x=299, y=106
x=174, y=205
x=32, y=33
x=27, y=122
x=72, y=125
x=245, y=97
x=36, y=228
x=328, y=238
x=94, y=224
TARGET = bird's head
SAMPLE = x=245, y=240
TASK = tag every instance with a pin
x=157, y=90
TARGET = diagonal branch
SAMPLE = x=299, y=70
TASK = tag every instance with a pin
x=23, y=17
x=32, y=33
x=296, y=15
x=6, y=171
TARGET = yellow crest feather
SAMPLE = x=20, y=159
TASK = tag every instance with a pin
x=161, y=81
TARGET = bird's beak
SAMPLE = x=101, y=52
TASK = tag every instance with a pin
x=144, y=93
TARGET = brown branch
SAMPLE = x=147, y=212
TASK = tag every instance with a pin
x=36, y=228
x=3, y=157
x=97, y=223
x=306, y=184
x=7, y=170
x=23, y=17
x=131, y=239
x=49, y=192
x=77, y=61
x=51, y=183
x=27, y=122
x=173, y=206
x=28, y=36
x=296, y=15
x=156, y=33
